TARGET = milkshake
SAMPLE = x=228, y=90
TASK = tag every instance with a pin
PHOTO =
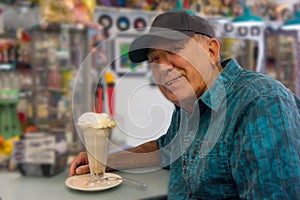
x=96, y=130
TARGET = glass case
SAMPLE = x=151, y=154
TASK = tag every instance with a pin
x=282, y=61
x=58, y=51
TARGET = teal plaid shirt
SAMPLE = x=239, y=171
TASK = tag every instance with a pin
x=241, y=142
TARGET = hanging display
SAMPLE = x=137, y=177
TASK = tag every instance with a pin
x=69, y=11
x=140, y=24
x=122, y=65
x=105, y=21
x=123, y=23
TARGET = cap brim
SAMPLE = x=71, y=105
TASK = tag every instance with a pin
x=139, y=47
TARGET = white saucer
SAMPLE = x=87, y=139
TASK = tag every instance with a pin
x=79, y=182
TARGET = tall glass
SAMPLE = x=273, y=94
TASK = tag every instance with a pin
x=97, y=146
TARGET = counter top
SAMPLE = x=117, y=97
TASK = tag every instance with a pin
x=15, y=186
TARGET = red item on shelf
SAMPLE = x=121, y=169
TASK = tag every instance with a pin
x=1, y=141
x=100, y=104
x=111, y=101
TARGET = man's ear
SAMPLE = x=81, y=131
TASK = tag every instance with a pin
x=214, y=49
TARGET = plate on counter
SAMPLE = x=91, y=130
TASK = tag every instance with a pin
x=79, y=182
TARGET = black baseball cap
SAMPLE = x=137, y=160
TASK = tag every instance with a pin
x=175, y=25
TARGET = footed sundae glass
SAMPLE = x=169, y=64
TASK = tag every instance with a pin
x=96, y=131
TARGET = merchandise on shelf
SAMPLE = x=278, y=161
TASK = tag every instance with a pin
x=9, y=98
x=69, y=11
x=58, y=53
x=40, y=154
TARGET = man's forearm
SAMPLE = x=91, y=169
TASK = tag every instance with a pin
x=144, y=155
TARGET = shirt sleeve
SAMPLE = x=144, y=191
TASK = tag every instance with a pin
x=266, y=156
x=164, y=142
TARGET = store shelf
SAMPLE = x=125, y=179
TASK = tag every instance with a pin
x=53, y=72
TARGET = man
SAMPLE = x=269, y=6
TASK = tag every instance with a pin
x=234, y=133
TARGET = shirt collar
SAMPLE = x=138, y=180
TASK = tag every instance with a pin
x=216, y=94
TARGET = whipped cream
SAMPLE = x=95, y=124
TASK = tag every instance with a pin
x=95, y=120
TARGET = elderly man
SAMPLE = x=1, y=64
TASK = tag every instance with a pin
x=234, y=133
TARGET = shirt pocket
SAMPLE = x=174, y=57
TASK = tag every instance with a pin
x=212, y=176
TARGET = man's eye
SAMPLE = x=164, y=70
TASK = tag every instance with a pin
x=153, y=58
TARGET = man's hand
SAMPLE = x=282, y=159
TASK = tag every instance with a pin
x=80, y=165
x=144, y=155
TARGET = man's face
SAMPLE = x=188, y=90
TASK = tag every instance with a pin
x=183, y=70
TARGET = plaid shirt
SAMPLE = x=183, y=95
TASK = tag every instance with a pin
x=241, y=142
